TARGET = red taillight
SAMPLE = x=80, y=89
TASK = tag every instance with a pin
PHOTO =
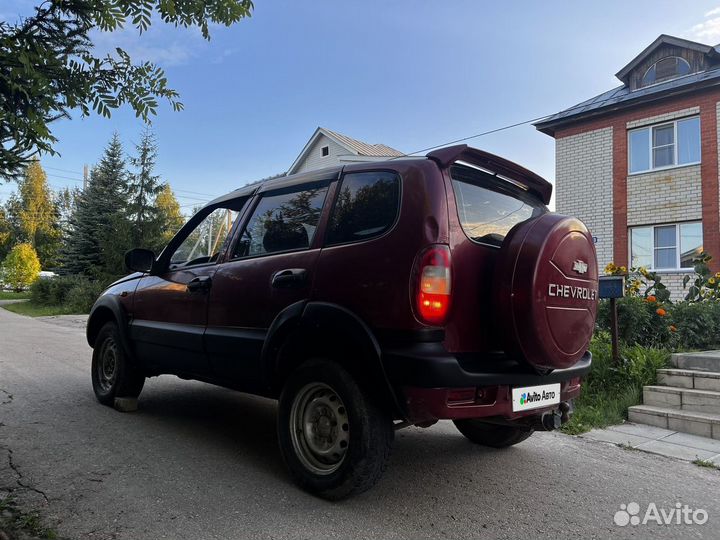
x=433, y=288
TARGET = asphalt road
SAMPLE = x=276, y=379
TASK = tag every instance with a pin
x=201, y=462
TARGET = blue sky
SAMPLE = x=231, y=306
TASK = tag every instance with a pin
x=409, y=74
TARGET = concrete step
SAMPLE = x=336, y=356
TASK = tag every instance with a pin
x=696, y=423
x=689, y=378
x=700, y=361
x=684, y=399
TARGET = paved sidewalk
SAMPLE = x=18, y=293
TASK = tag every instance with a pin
x=659, y=441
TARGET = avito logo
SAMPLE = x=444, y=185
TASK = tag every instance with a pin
x=532, y=397
x=629, y=514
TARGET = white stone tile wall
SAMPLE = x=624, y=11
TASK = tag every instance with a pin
x=584, y=184
x=665, y=117
x=667, y=196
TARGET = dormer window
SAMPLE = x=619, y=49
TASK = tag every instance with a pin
x=665, y=69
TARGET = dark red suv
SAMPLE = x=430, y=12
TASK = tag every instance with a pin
x=366, y=298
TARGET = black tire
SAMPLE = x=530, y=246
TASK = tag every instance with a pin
x=122, y=379
x=367, y=439
x=495, y=435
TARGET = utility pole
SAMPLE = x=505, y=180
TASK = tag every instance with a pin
x=85, y=176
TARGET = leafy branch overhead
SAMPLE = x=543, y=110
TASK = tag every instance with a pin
x=48, y=66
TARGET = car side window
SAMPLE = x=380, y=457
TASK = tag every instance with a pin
x=205, y=243
x=283, y=221
x=367, y=206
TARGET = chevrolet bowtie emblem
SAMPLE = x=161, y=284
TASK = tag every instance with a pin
x=580, y=266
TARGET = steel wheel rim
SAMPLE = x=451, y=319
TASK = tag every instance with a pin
x=107, y=366
x=319, y=428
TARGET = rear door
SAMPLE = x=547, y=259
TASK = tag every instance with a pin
x=270, y=266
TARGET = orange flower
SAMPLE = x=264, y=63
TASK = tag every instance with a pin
x=672, y=328
x=651, y=298
x=660, y=311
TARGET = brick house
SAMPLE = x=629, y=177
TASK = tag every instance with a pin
x=639, y=163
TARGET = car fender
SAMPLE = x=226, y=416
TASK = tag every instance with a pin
x=327, y=319
x=107, y=308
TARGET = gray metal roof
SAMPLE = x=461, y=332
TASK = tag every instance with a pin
x=363, y=148
x=621, y=97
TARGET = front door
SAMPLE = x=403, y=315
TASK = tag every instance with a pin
x=170, y=306
x=271, y=266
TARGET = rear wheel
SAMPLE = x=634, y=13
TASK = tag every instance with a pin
x=112, y=374
x=334, y=439
x=495, y=435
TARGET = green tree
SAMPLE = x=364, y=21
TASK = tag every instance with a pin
x=99, y=231
x=38, y=217
x=48, y=66
x=21, y=267
x=143, y=188
x=6, y=234
x=169, y=216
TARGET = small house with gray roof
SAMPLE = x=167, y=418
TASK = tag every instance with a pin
x=328, y=148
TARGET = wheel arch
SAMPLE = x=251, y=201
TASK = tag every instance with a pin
x=307, y=330
x=106, y=309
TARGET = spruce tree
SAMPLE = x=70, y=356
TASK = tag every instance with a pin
x=143, y=188
x=98, y=226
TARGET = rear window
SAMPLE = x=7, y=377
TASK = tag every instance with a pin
x=366, y=207
x=282, y=222
x=489, y=207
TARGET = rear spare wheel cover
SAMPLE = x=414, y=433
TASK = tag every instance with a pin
x=547, y=290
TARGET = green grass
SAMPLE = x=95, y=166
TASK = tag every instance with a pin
x=609, y=390
x=33, y=310
x=706, y=463
x=15, y=521
x=10, y=295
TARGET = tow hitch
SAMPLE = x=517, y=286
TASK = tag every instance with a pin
x=554, y=419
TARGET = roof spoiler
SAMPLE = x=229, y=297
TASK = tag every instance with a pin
x=496, y=165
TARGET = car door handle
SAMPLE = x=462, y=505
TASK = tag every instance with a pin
x=290, y=278
x=200, y=283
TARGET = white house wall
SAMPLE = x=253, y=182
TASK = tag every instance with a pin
x=315, y=160
x=584, y=185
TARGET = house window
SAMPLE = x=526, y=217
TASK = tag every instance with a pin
x=666, y=247
x=325, y=151
x=665, y=69
x=665, y=145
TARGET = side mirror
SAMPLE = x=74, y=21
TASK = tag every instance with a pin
x=139, y=260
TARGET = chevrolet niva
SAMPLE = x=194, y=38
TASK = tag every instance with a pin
x=366, y=298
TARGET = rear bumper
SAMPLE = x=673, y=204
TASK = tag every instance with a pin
x=433, y=384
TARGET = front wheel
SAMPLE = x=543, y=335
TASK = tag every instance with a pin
x=112, y=375
x=334, y=439
x=495, y=435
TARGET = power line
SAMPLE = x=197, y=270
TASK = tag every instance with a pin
x=192, y=192
x=463, y=139
x=510, y=126
x=64, y=177
x=62, y=170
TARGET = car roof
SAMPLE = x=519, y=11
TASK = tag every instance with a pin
x=281, y=182
x=442, y=156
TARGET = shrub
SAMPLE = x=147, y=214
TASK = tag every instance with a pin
x=21, y=267
x=81, y=297
x=74, y=293
x=54, y=291
x=641, y=321
x=639, y=281
x=696, y=325
x=610, y=389
x=705, y=285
